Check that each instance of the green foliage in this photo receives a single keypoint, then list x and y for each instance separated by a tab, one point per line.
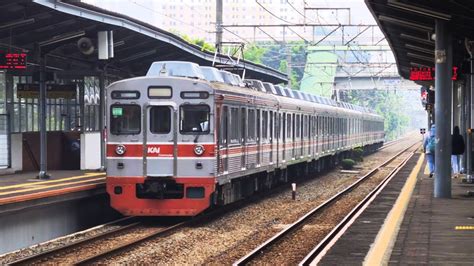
387	104
347	164
205	46
255	53
357	154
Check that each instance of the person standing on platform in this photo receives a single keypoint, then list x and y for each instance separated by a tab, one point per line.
457	151
429	145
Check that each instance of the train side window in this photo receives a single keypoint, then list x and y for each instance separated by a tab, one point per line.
224	125
125	119
234	126
194	119
288	126
160	119
251	125
264	125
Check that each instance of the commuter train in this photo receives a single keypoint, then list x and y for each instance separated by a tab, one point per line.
185	138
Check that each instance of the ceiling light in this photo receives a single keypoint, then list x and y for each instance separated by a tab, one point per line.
422	57
17	23
419	49
418	10
62	38
405	23
417	39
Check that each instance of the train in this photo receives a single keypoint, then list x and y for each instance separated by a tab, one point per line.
185	138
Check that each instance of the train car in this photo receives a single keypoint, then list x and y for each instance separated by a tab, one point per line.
184	138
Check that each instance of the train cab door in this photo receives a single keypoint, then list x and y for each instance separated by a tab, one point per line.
160	148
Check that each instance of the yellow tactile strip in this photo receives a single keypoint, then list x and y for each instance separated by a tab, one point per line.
381	248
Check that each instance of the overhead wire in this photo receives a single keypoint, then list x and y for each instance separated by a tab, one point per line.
271	13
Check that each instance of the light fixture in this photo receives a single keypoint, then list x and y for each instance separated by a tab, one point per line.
139	55
401	22
419	49
17	23
422	57
433	36
417	39
62	38
418	10
199	150
120	150
414	64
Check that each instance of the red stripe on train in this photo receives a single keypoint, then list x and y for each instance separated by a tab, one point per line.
161	150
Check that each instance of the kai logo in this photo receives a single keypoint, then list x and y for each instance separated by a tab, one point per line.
154	150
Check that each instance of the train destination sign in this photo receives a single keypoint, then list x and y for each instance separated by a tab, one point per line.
12	60
428	73
53	91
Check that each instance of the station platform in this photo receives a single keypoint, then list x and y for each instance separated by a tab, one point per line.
405	224
23	187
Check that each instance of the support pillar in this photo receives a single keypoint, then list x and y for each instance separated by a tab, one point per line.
443	88
42	120
102	119
469	109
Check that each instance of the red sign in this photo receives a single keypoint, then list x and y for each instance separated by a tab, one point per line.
12	61
428	73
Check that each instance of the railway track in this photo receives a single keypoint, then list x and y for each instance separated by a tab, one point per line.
124	226
128	226
298	226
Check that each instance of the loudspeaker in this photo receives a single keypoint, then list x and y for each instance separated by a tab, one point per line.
85	45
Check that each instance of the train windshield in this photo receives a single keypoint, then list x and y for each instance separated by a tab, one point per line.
194	119
125	119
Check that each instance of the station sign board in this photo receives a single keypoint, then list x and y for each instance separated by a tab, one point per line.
53	91
428	73
12	60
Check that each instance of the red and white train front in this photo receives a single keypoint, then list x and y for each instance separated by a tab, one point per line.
161	146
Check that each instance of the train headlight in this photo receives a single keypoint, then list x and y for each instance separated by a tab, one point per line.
199	150
120	150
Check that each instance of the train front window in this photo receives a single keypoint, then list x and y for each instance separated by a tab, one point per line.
125	119
194	119
160	119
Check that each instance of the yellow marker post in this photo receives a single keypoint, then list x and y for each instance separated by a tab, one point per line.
381	249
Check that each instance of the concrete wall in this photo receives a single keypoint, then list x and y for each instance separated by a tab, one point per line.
38	222
17	152
90	151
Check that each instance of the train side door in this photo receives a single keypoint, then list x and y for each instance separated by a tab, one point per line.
224	140
160	140
259	136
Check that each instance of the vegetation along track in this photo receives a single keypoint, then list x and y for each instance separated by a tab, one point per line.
293	244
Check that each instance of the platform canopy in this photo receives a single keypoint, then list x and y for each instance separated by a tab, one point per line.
409	25
57	25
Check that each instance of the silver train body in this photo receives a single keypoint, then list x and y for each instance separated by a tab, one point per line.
179	145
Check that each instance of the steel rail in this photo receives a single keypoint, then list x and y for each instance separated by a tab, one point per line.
292	227
318	252
51	252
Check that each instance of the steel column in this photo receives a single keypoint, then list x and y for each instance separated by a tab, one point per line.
443	88
42	112
102	119
469	109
